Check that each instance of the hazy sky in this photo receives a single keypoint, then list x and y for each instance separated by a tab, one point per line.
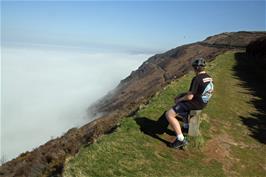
133	26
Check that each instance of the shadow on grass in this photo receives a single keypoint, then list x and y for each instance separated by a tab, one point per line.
253	74
153	128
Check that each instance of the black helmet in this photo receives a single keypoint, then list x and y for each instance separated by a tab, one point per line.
199	62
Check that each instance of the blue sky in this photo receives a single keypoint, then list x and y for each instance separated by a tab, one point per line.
135	25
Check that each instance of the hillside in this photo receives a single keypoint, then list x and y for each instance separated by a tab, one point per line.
160	69
232	141
132	93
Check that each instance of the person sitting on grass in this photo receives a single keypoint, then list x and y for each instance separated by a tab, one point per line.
196	98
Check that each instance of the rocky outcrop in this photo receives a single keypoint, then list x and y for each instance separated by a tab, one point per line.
136	89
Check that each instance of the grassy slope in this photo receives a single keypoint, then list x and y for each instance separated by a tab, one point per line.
225	148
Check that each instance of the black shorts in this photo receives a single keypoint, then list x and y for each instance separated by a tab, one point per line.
182	109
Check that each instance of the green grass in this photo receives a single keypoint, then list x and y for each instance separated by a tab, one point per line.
130	152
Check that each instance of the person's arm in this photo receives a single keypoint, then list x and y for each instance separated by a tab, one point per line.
180	95
190	94
187	97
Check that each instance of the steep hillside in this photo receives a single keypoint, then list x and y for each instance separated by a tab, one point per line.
161	69
232	133
134	91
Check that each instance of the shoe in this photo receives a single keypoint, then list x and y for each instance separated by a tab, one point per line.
177	144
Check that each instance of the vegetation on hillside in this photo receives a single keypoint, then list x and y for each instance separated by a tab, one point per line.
228	146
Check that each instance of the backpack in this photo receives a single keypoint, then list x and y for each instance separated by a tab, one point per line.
207	93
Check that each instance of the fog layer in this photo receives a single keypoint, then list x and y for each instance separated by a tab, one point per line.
46	92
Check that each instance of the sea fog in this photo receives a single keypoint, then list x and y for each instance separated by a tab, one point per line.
47	91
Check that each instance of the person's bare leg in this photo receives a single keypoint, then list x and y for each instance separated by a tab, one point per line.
171	117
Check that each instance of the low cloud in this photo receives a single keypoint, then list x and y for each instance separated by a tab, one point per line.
45	92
